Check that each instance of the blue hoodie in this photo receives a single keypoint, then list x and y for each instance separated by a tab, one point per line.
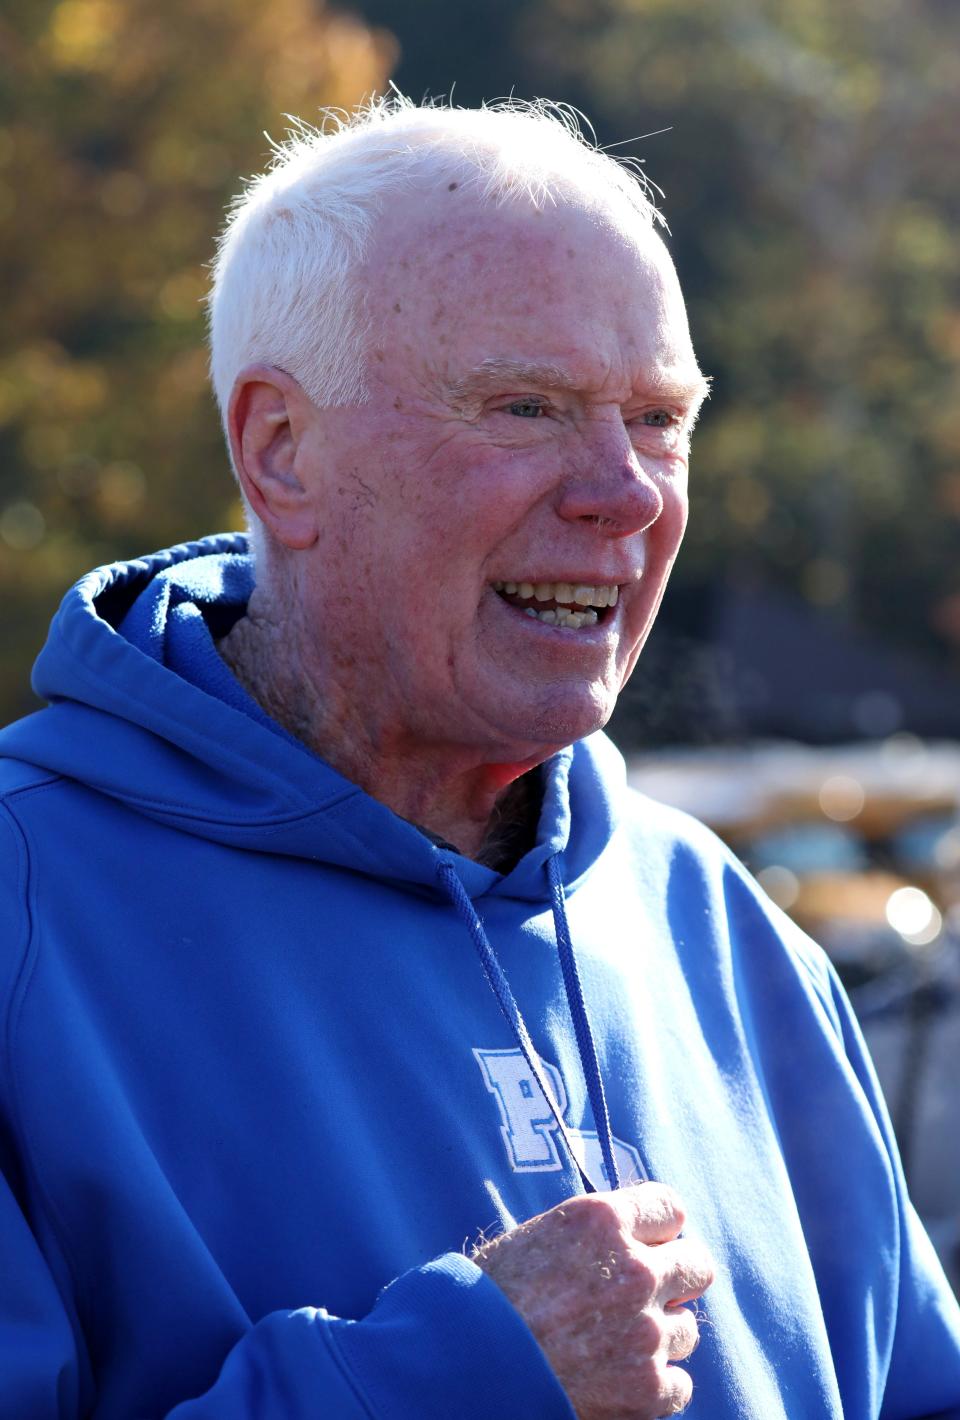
258	1097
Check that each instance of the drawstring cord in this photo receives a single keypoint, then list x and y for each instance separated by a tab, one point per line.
581	1024
500	986
505	998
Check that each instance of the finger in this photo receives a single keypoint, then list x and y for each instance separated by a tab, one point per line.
651	1212
676	1391
686	1271
681	1334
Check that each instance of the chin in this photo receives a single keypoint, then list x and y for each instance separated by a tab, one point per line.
560	720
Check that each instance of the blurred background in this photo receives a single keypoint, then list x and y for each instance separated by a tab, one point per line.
802	690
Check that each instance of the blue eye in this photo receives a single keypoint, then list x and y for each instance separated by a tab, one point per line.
658	418
525	408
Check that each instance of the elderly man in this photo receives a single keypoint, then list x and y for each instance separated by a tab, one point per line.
333	942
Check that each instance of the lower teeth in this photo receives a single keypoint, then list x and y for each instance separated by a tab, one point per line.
572	620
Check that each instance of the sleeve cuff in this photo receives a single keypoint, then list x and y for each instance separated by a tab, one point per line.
443	1341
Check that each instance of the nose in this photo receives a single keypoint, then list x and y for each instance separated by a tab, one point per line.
610	488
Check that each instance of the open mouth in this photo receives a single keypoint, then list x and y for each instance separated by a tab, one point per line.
569	605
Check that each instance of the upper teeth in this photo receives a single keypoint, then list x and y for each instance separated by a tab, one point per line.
564	593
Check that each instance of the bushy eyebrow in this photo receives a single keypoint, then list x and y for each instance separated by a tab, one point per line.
684	386
494	372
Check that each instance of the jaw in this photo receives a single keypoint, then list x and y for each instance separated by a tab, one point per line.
535	687
487	683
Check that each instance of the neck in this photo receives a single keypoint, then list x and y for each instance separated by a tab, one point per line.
487	810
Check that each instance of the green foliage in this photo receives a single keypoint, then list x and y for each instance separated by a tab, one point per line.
123	132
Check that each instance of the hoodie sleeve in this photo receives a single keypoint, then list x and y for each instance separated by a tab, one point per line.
442	1340
923	1375
39	1362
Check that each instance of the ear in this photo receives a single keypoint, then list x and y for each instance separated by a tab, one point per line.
266	420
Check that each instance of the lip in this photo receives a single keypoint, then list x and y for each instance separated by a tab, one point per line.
627	576
577	579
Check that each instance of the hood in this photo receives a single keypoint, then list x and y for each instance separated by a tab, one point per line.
122	720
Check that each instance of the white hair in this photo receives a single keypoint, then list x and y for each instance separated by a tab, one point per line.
286	279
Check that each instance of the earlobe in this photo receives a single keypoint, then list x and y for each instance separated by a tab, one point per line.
265	424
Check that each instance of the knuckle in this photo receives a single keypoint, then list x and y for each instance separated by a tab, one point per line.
641	1277
668	1203
649	1376
670	1196
594	1220
649	1334
592	1206
698	1255
651	1209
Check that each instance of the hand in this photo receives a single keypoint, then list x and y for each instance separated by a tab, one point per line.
600	1281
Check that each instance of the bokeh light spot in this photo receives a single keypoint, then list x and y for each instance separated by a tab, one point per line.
22	526
911	913
782	886
841	798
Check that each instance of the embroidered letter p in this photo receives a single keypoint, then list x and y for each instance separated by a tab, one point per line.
527	1122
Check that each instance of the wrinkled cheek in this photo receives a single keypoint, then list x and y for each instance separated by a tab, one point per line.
635	636
683	514
626	665
676	503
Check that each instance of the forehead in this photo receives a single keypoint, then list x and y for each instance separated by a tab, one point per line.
453	282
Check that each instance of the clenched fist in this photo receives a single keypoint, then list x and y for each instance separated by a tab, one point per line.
601	1281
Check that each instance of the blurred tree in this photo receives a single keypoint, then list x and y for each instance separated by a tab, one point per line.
811	176
123	129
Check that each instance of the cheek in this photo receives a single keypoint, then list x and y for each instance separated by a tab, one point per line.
673	520
467	508
680	517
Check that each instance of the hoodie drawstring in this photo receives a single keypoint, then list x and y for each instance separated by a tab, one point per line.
581	1022
500	986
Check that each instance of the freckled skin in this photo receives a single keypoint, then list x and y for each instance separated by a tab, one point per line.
601	1281
426	679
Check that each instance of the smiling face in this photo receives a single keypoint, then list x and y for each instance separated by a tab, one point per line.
523	451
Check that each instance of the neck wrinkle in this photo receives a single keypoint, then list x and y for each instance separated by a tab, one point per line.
283	674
